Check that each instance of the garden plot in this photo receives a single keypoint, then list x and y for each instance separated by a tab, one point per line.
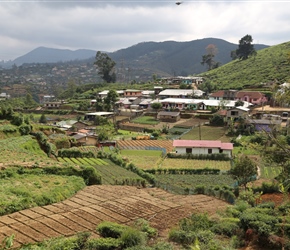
42	223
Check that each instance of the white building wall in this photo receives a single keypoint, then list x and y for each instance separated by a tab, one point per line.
203	151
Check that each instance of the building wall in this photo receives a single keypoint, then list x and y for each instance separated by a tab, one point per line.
203	151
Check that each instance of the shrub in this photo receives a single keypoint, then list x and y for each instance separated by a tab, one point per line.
144	226
110	229
25	129
199	189
132	237
226	227
103	244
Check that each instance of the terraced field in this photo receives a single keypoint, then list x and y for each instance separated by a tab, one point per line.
146	144
90	206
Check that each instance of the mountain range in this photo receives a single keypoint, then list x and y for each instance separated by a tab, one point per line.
167	58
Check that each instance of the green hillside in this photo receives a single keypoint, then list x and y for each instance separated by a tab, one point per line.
270	64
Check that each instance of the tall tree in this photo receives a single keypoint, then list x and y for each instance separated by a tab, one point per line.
208	58
110	100
105	66
243	169
246	48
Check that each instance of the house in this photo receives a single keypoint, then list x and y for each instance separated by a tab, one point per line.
66	125
179	93
132	93
52	105
83	139
267	123
165	116
254	97
202	147
4	96
104	93
92	116
223	95
237	112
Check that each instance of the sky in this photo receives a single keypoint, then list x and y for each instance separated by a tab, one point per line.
110	25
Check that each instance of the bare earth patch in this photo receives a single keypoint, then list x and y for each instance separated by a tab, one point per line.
93	204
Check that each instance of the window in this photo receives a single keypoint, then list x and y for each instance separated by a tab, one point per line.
189	150
221	151
209	151
234	113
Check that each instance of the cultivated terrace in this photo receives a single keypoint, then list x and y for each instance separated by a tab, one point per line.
166	164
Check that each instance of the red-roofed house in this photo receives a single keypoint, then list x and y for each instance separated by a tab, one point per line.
223	95
254	97
202	147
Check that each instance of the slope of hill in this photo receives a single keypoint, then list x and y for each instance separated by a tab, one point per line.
147	58
174	58
270	64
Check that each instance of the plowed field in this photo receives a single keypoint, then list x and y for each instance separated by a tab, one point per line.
90	206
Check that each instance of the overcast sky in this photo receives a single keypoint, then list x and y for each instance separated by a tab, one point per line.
112	25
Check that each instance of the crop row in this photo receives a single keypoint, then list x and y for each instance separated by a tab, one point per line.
110	172
139	144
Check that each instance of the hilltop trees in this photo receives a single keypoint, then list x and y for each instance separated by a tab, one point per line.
208	58
105	66
245	49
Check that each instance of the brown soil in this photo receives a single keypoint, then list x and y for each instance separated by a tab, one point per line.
90	206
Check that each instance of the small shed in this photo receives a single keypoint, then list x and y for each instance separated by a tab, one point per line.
168	116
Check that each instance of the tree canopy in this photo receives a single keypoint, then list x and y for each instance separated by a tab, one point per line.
105	66
208	58
246	48
244	168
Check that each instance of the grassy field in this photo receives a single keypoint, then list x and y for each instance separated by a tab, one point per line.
145	120
19	192
144	159
111	173
169	163
23	150
207	133
270	172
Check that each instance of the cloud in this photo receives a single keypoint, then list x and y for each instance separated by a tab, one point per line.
112	25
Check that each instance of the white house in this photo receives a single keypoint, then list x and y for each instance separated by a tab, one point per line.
202	147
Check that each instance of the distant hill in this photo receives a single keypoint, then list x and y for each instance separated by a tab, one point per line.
175	58
144	59
49	55
270	64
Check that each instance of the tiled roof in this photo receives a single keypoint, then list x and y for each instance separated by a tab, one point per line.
219	93
251	94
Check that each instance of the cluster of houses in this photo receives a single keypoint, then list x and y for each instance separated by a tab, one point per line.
231	104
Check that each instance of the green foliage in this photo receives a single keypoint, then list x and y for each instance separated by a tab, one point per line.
246	48
110	229
243	170
25	129
131	237
105	67
143	226
216	120
262	220
42	119
103	244
74	153
267	65
226	227
214	157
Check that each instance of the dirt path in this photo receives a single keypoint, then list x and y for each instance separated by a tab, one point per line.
90	206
